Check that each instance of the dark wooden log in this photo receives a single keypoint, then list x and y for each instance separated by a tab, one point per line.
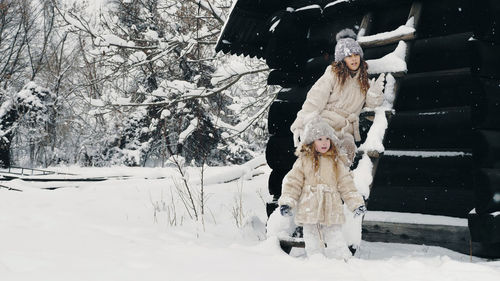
444	129
440	53
281	116
428	90
376	52
456	238
485	19
487	191
486	109
280	153
445	17
421	199
445	172
487	148
484	228
486	56
384	20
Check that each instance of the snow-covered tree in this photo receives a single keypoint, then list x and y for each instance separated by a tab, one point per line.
131	82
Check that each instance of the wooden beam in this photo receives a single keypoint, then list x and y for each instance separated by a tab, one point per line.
365	25
388	41
415	12
456	238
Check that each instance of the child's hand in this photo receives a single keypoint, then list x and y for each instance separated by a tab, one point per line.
285	210
361	210
377	86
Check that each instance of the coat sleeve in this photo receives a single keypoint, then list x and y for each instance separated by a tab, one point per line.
348	191
316	99
292	185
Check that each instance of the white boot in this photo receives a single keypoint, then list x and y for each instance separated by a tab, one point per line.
312	238
336	245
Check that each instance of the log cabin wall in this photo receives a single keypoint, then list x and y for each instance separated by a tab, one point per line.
484	221
442	146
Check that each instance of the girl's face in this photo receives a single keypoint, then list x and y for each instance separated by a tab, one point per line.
352	62
322	144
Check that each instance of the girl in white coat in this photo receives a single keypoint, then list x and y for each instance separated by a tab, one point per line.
315	188
339	95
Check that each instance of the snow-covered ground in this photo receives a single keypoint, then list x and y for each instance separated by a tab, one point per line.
124	229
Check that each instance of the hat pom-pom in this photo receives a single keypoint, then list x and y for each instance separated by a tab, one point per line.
346	33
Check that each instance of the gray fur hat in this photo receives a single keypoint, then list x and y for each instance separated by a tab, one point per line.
346	45
316	128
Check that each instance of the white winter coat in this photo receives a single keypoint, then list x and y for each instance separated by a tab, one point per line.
339	105
316	197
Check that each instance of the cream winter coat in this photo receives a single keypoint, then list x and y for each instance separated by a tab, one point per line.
339	106
316	197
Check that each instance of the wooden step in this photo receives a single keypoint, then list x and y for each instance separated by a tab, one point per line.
436	89
445	17
438	129
440	53
446	170
421	199
390	227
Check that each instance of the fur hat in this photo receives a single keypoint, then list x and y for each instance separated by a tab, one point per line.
346	45
316	128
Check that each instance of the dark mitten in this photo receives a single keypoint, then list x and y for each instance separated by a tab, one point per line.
285	210
361	210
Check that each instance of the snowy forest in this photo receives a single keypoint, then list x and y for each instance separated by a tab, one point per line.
125	82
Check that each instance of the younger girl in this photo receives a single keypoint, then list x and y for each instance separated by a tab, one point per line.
315	188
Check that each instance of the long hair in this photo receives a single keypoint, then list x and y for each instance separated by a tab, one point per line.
342	71
308	150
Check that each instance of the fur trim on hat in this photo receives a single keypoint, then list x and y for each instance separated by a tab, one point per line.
315	128
347	45
346	33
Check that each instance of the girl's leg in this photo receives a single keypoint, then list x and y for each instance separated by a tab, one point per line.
313	239
336	245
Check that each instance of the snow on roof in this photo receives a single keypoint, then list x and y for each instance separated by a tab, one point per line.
335	3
